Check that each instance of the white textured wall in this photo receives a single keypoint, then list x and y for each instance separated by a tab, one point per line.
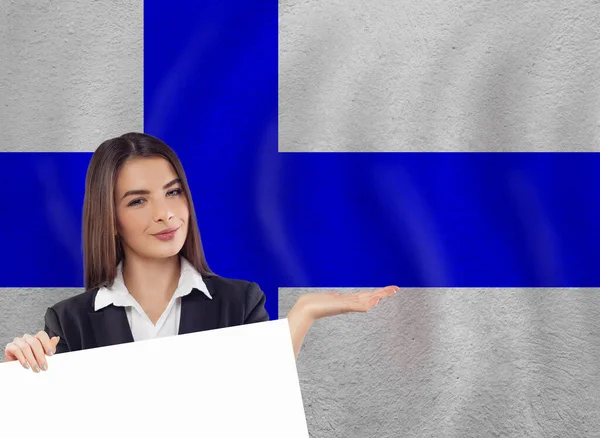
71	73
455	363
439	75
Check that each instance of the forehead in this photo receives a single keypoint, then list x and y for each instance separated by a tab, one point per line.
145	173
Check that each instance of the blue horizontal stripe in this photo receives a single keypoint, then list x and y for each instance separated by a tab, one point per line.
343	220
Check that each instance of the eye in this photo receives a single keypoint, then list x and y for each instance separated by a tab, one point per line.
135	202
175	192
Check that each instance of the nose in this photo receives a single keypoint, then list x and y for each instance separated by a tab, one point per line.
162	212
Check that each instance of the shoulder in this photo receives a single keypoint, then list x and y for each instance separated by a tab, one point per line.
69	315
69	319
80	303
231	289
243	298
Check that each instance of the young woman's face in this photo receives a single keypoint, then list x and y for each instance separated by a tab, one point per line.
149	199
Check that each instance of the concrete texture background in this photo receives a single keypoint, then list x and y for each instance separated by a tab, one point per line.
404	76
455	363
71	76
22	310
439	75
71	73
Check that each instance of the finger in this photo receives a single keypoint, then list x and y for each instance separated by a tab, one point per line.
367	295
365	301
47	345
373	302
28	353
385	292
359	302
389	291
12	352
38	351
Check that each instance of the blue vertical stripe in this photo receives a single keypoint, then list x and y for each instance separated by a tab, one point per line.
309	219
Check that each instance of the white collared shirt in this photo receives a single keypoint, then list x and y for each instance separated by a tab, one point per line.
141	326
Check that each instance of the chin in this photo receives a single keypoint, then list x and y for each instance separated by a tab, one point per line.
168	252
165	255
165	251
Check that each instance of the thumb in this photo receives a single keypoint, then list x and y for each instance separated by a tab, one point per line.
374	301
55	340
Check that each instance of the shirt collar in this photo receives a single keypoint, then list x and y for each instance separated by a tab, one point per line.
118	295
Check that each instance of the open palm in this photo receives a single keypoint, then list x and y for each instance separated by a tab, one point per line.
322	305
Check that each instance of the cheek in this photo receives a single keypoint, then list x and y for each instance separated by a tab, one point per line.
183	211
130	222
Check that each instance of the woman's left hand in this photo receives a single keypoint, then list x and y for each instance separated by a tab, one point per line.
313	306
322	305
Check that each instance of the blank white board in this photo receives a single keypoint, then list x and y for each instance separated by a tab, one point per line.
233	382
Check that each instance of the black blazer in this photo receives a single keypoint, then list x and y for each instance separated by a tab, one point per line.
234	302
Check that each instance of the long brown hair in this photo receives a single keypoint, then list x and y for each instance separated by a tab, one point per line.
102	249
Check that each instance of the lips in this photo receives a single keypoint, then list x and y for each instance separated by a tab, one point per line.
166	232
166	235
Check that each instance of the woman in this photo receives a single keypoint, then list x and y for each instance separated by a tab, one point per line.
146	275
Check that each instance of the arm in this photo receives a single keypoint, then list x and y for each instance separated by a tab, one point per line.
313	306
255	305
53	328
298	320
300	323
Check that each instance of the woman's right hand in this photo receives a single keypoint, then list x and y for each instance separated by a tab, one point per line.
31	350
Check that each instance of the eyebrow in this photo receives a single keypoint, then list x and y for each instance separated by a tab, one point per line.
146	192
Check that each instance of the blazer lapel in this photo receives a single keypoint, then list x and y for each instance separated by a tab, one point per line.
199	313
111	326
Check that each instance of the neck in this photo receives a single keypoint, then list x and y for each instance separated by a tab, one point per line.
151	281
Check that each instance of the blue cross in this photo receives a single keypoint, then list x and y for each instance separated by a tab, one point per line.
308	219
